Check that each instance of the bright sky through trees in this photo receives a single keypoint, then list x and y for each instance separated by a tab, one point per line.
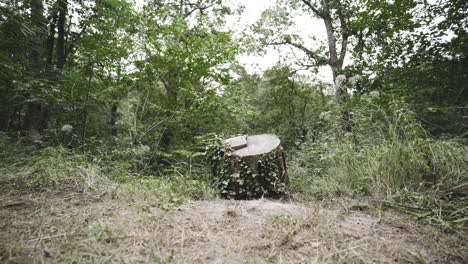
305	26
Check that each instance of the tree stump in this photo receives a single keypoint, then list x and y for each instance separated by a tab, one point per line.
250	167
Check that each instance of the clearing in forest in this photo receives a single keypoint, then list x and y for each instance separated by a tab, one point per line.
70	227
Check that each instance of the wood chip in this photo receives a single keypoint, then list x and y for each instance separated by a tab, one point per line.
257	145
237	142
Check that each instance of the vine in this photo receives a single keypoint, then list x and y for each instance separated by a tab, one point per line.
246	178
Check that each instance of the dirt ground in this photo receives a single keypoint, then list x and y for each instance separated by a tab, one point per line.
70	227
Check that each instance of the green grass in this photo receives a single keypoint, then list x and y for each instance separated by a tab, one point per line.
422	177
28	167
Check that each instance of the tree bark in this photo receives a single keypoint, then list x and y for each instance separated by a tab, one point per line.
335	59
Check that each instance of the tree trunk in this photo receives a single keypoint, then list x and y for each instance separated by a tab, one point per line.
171	94
84	123
250	167
63	8
335	62
32	120
333	56
113	120
51	39
33	117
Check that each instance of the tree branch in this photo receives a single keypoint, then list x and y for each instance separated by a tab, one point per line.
344	47
318	59
313	8
200	8
302	65
344	34
197	6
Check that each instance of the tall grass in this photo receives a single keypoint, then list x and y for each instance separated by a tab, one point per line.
388	156
122	170
392	165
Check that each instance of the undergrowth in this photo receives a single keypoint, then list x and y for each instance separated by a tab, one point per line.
387	156
123	171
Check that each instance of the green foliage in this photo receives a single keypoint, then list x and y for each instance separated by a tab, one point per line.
15	33
280	102
422	59
285	104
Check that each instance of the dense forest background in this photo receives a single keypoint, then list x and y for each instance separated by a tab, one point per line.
135	93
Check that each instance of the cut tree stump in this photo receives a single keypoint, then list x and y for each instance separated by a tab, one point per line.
250	167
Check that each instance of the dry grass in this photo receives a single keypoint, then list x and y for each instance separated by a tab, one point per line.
64	226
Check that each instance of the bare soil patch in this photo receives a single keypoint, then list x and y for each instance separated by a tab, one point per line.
72	227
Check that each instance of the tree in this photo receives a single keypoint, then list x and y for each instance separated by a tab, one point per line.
423	59
288	103
15	35
35	113
186	54
46	53
343	22
336	18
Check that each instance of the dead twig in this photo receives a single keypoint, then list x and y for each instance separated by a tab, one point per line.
48	237
12	204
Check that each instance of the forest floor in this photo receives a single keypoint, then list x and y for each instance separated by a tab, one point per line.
64	226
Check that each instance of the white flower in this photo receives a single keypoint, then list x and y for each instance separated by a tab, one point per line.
374	94
67	128
358	78
353	81
340	81
144	148
325	115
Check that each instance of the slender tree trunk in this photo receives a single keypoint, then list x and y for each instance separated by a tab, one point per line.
14	120
5	116
333	56
51	39
181	10
85	110
33	116
172	94
63	8
37	19
113	119
335	61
